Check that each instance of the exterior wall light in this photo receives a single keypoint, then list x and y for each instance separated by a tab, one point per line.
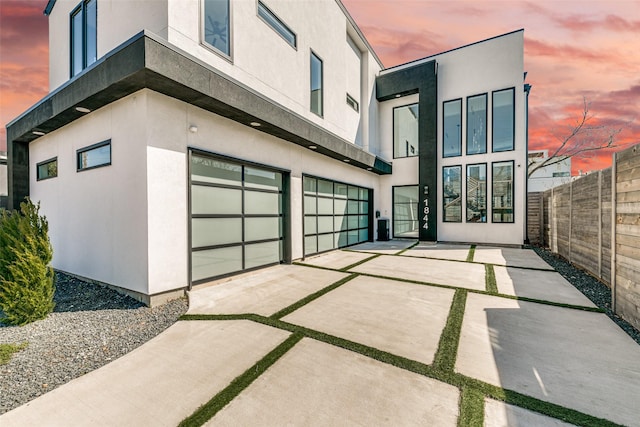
313	147
83	110
255	124
346	160
37	132
193	128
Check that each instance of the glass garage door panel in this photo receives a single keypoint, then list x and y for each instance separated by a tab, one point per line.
236	217
335	215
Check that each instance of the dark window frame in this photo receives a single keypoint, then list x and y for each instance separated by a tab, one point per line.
311	57
466	193
81	9
261	7
486	112
513	115
461	130
101	144
393	207
393	129
462	195
513	192
43	163
351	102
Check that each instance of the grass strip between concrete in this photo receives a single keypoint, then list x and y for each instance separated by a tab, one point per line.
220	400
406	249
355	264
490	276
445	357
471	254
471	408
306	300
469	404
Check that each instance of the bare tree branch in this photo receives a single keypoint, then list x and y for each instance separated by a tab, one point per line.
583	137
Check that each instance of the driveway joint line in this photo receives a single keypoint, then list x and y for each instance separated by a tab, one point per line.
355	264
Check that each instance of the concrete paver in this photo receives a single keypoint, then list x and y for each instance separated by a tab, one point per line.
500	414
451	273
336	259
401	318
577	359
265	293
439	251
511	257
389	247
316	384
158	384
542	285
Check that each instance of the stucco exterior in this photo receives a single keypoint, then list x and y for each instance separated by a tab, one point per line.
160	95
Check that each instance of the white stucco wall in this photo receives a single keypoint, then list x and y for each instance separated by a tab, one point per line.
98	221
118	20
484	67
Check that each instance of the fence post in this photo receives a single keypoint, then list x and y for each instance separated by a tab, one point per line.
614	202
600	224
541	222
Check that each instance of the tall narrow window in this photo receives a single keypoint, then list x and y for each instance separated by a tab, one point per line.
216	25
405	211
405	131
502	192
477	124
316	84
503	120
477	193
84	36
452	128
274	22
452	194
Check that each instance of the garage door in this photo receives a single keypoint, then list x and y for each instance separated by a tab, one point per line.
236	217
335	215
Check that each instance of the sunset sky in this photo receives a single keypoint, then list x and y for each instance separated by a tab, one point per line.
573	50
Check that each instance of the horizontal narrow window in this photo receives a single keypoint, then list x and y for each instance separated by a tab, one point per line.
351	102
278	26
94	156
47	169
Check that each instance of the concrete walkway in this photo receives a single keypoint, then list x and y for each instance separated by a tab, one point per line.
379	334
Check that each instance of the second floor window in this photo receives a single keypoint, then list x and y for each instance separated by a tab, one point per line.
84	36
316	84
216	25
405	131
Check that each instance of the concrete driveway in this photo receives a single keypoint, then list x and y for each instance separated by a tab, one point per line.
384	333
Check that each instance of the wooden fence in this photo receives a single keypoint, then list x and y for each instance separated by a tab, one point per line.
576	221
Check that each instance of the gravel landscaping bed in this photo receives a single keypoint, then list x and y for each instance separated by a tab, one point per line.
591	287
91	325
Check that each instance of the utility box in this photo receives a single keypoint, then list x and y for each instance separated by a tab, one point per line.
383	229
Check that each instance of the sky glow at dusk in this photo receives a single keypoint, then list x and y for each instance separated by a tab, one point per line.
573	50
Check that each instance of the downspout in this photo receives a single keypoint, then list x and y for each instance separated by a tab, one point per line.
527	89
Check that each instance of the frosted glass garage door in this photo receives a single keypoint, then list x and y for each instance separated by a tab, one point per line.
236	217
335	215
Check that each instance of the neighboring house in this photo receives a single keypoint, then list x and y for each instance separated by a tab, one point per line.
186	141
4	186
547	177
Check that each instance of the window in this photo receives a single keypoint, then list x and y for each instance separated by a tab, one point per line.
405	131
316	84
274	22
351	102
94	156
452	128
477	193
84	36
477	124
405	211
335	215
502	192
47	169
503	120
216	25
452	194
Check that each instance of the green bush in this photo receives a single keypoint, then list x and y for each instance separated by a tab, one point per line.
26	278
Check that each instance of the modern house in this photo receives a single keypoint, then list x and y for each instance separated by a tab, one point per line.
184	141
546	177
